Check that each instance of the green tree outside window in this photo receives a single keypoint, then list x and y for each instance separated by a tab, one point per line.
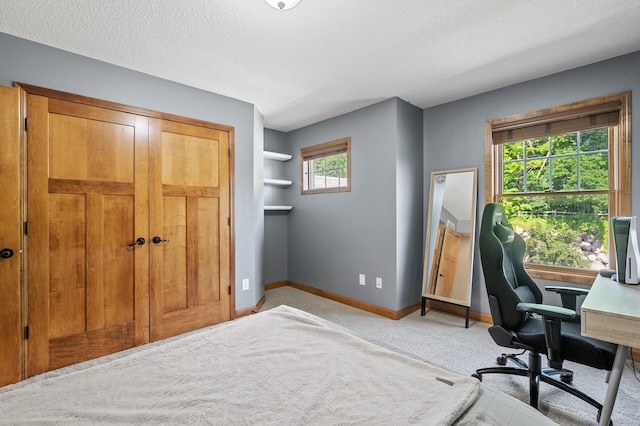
554	194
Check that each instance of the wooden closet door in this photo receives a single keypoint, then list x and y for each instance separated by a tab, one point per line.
448	262
437	257
189	199
87	178
10	236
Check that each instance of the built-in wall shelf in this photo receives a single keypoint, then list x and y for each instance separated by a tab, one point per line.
278	182
282	183
269	155
277	208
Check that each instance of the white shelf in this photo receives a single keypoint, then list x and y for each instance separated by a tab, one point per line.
277	208
278	182
269	155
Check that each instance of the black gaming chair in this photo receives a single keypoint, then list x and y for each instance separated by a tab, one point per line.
522	322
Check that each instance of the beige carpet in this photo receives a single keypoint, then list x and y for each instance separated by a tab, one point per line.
442	340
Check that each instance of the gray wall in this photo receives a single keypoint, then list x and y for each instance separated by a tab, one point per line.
255	217
454	132
331	238
410	226
28	62
376	229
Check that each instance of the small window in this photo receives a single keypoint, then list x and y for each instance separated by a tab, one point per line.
326	167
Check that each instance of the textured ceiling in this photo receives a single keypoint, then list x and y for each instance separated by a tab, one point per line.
327	57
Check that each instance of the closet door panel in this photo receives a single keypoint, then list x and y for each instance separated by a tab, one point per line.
11	331
118	264
67	273
105	154
174	268
208	213
189	198
88	201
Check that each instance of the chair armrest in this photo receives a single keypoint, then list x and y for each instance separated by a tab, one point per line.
552	320
572	291
548	311
568	295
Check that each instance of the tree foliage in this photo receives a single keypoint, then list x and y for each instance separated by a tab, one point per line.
332	165
554	221
550	243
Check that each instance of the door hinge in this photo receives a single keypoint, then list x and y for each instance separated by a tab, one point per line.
229	221
26	332
229	152
26	228
229	289
26	124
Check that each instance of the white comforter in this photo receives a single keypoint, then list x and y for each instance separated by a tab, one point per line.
277	367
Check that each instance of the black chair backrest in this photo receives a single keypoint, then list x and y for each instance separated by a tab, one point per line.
501	254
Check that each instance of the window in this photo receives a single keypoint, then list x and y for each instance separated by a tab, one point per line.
561	174
326	167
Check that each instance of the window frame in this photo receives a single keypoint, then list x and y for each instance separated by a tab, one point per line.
619	167
326	149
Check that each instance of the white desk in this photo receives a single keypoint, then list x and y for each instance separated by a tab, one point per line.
611	312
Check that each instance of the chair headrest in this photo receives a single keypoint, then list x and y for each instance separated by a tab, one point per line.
504	233
495	222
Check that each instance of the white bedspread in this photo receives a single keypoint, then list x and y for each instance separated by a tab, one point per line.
276	367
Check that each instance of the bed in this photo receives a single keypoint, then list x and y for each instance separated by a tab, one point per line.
281	366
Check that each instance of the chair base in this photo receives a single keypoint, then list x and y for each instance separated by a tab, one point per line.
566	375
535	373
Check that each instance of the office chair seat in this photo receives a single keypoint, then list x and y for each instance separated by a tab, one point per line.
575	347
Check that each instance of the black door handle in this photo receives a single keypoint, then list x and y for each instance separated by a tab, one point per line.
158	240
6	253
139	242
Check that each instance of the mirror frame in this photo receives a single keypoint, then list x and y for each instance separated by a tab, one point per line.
429	251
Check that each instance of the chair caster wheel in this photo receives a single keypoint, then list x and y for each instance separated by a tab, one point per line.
501	360
477	376
566	378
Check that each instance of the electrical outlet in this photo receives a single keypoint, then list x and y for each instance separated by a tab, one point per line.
245	284
362	279
378	282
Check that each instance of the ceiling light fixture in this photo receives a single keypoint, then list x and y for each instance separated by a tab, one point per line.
283	4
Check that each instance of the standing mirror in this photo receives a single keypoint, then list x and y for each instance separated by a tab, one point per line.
448	262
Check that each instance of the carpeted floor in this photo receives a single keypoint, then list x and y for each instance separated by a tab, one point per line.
442	340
